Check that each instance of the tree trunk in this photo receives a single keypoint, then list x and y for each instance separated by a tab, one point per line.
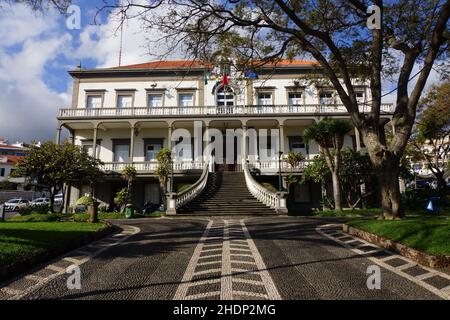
336	191
388	180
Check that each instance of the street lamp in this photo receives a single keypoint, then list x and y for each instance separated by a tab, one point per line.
280	181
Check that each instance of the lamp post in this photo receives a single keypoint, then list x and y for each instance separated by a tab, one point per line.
280	181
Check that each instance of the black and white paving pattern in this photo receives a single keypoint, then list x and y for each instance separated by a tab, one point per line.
262	258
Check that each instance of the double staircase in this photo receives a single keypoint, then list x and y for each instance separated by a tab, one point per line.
226	193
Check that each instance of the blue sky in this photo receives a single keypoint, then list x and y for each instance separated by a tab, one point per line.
37	49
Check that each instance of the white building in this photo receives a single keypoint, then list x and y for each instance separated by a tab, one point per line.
10	154
124	115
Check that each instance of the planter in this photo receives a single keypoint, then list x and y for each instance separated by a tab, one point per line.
93	212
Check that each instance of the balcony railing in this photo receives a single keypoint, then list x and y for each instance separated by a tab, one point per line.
150	166
266	166
270	166
212	111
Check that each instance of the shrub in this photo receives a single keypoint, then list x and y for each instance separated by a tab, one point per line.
8	185
34	209
85	201
123	197
103	207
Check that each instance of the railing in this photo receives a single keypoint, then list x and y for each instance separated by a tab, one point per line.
213	110
150	166
273	166
193	191
271	199
177	200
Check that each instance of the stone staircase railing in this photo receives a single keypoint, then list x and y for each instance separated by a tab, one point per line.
271	199
178	200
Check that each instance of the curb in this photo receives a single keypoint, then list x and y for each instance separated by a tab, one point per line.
428	260
17	288
24	265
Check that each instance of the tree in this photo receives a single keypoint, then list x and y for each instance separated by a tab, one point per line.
335	33
293	159
164	169
355	171
129	174
329	135
61	5
54	165
431	137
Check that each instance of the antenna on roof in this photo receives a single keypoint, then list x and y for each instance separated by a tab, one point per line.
79	65
122	19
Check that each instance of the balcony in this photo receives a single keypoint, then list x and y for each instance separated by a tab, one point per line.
149	167
212	111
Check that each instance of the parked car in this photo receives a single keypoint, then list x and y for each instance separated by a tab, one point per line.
40	201
58	199
14	204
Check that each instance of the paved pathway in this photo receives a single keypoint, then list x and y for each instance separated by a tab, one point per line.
230	258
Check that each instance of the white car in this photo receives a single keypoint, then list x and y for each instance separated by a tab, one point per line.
14	204
40	201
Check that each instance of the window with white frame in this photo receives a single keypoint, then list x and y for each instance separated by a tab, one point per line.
360	96
295	98
264	98
121	152
152	147
186	100
154	100
124	101
297	144
94	101
326	97
88	146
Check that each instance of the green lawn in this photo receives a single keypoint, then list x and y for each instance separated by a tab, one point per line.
429	234
21	241
79	217
344	213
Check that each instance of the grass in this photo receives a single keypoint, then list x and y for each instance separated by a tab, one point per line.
23	241
345	213
79	217
428	234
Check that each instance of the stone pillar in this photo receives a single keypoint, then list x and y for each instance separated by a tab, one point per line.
58	136
132	144
358	139
169	138
282	148
244	145
94	143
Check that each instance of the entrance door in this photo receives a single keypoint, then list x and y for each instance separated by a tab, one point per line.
225	166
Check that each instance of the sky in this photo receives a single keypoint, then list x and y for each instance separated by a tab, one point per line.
36	51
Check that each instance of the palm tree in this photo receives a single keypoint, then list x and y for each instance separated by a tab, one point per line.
329	135
164	158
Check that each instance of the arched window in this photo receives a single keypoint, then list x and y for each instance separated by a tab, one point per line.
225	97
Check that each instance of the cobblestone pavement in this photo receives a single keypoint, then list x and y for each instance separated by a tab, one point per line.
227	258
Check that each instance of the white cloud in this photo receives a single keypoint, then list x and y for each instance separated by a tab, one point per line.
102	42
28	105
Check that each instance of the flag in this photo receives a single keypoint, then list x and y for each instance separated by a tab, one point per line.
225	80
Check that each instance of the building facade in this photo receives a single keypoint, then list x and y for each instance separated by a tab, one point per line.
10	154
125	115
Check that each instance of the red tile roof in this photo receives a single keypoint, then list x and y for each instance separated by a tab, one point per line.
10	159
186	64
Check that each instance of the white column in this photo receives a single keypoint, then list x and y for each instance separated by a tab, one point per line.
58	136
358	139
94	143
132	144
281	127
244	145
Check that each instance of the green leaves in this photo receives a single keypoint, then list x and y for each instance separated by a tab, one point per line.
52	165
